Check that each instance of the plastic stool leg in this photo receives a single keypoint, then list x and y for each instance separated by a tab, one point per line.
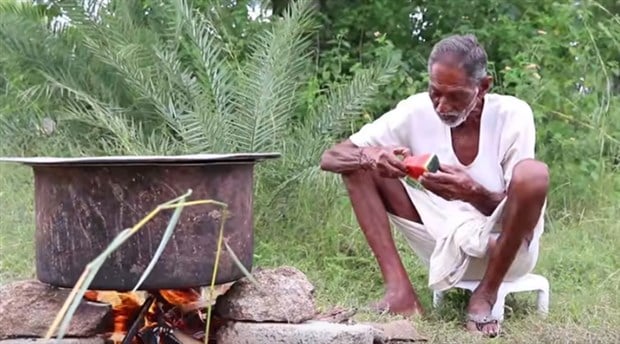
542	301
498	307
437	298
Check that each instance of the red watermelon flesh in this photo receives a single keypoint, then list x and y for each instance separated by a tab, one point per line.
418	164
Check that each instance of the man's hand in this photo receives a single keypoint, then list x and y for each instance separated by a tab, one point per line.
384	160
453	183
450	182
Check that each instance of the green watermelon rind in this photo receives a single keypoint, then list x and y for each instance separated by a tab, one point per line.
413	183
432	165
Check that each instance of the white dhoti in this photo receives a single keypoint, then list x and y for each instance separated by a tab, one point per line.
453	241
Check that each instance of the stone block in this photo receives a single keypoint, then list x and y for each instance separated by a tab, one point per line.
282	295
53	341
28	308
316	332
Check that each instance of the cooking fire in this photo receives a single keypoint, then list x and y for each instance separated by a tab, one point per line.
161	317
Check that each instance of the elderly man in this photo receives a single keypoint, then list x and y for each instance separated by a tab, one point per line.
481	215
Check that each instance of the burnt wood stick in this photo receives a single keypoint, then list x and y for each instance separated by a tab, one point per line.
137	323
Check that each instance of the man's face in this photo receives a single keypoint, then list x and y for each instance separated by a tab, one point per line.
453	95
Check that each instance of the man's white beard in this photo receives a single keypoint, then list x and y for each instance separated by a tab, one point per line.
456	118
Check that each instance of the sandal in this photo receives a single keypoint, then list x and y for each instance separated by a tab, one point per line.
480	321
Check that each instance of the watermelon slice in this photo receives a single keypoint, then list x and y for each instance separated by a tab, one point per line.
418	164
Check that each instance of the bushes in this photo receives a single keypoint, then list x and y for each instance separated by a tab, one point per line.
559	57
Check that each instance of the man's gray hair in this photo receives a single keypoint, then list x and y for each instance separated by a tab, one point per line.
466	50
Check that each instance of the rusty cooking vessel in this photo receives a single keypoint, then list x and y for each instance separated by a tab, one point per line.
81	204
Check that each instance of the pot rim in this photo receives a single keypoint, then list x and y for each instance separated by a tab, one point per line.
143	159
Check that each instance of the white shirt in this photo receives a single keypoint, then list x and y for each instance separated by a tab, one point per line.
507	135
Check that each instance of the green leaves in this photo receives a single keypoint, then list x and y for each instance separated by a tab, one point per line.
344	102
271	80
209	81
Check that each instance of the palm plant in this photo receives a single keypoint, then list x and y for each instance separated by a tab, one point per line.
168	83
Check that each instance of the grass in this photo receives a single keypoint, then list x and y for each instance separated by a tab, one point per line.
579	256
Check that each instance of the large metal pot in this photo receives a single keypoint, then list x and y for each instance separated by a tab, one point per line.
81	204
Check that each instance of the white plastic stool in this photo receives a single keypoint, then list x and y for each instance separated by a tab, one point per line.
530	282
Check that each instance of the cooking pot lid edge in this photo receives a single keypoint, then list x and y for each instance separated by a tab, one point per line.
128	159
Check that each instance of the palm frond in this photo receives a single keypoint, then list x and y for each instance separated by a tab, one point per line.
83	12
342	104
182	113
28	11
333	115
213	102
21	48
117	133
267	94
133	63
219	18
16	131
128	137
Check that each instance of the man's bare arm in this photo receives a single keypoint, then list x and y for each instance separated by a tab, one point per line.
484	200
344	157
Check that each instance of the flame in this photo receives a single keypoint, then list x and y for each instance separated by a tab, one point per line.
186	299
124	308
126	305
180	297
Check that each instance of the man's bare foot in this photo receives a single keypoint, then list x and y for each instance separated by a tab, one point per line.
479	319
399	301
